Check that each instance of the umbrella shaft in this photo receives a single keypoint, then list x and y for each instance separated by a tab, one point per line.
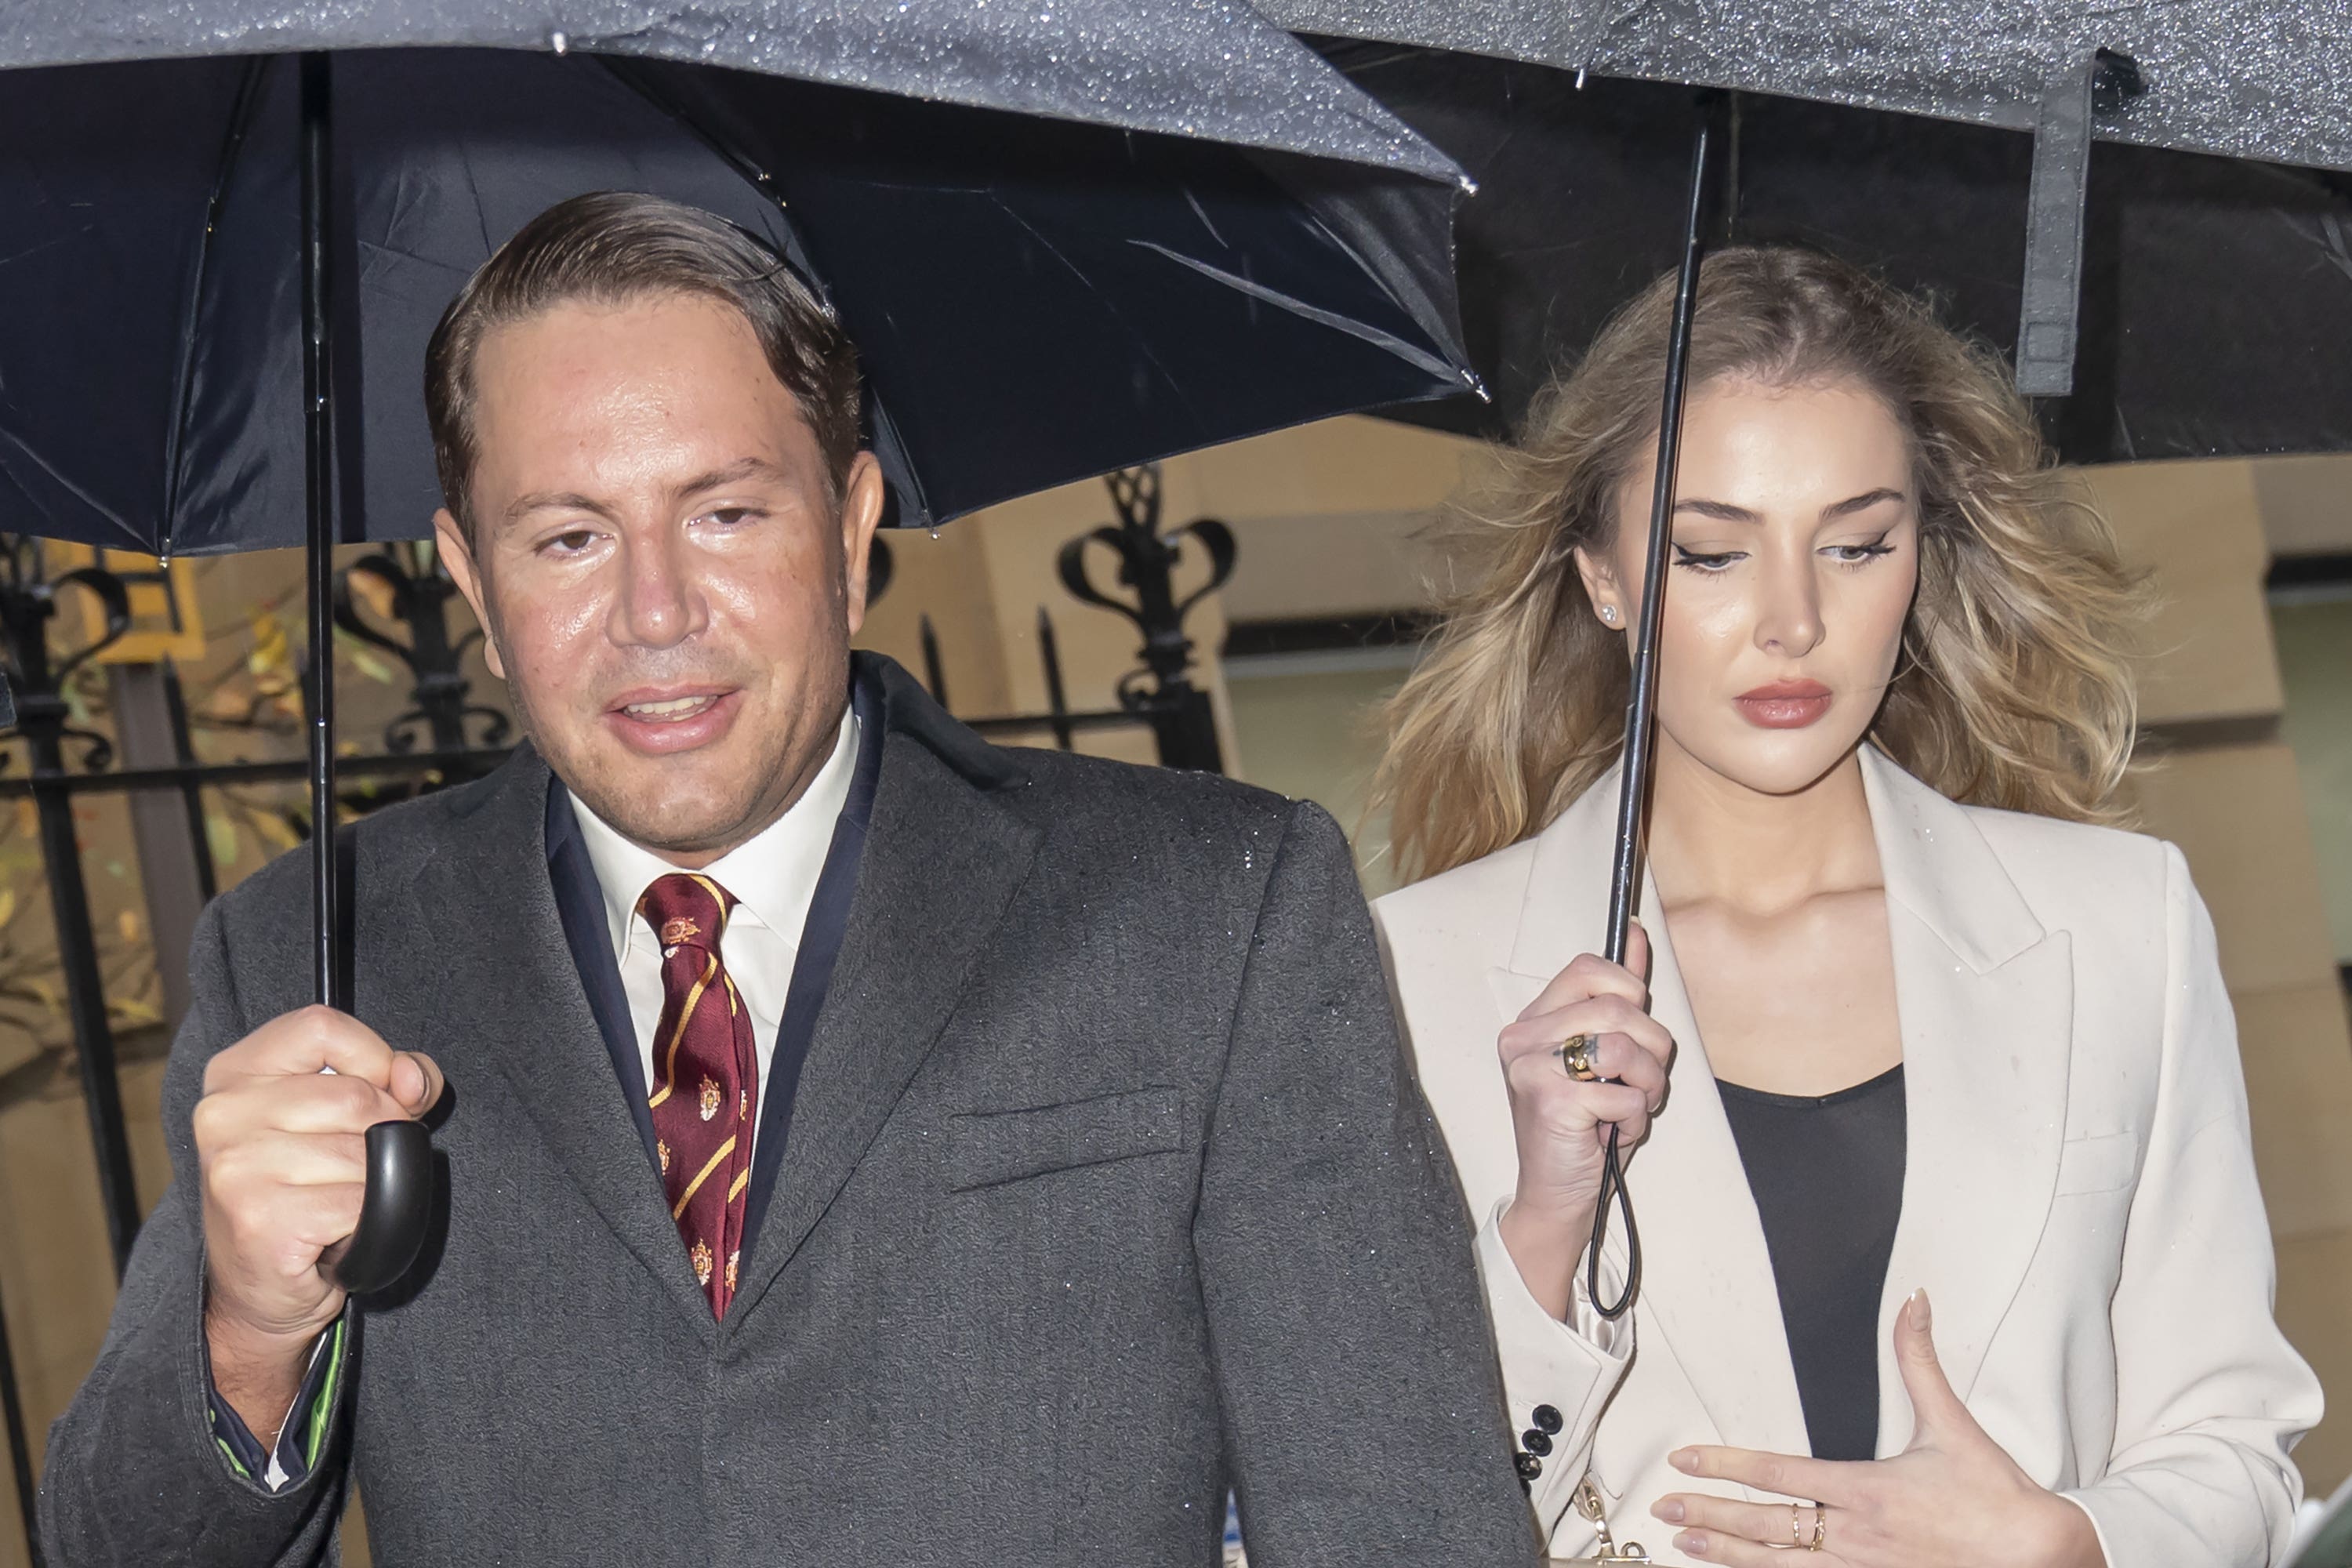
1640	714
318	475
1626	878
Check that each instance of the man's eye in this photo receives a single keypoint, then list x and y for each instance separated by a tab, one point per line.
571	542
729	516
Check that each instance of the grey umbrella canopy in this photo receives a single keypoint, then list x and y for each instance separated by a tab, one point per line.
2243	79
1212	69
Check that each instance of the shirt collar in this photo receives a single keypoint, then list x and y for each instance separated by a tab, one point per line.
772	875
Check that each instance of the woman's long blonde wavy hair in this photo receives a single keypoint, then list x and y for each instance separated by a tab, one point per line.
2013	689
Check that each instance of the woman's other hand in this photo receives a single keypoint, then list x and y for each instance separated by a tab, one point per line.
1953	1499
1562	1124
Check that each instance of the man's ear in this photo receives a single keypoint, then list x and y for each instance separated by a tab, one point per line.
457	555
862	500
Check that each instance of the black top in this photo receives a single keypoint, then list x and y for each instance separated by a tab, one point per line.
1827	1172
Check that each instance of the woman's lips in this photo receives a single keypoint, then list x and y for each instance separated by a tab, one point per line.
1784	704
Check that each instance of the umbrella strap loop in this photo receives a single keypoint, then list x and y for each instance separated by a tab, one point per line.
2083	87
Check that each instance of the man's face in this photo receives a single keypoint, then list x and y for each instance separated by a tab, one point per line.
668	589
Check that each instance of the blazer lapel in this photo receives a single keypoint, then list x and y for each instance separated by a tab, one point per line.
942	861
1986	998
514	995
1708	1288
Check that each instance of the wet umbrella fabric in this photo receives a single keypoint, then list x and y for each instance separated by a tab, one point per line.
2216	292
2238	79
1035	300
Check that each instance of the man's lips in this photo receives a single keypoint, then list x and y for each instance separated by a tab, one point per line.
1784	704
673	719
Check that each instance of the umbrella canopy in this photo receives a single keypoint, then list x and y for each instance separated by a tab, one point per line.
2242	79
1036	299
2216	293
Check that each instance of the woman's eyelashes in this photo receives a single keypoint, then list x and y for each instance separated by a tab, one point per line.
1860	554
1855	556
1704	561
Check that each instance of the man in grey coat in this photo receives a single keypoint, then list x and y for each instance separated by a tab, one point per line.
864	1145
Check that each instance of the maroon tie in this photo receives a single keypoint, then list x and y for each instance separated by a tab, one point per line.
705	1080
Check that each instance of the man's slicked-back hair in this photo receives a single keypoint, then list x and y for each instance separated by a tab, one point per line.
612	247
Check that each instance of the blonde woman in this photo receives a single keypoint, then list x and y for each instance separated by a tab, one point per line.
1953	1255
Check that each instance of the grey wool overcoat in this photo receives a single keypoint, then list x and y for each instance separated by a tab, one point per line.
1107	1187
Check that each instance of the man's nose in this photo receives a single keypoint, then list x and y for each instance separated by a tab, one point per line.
660	603
1788	621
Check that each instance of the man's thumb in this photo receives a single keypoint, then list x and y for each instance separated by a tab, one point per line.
416	1081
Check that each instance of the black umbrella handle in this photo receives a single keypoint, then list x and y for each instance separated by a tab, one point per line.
399	1202
1641	713
393	1216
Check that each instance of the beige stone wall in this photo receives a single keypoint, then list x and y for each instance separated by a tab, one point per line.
2221	785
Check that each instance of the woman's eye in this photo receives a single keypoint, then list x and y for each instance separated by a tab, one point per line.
1855	554
1700	561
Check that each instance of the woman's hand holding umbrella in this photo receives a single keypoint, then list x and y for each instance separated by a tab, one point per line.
1953	1499
1563	1122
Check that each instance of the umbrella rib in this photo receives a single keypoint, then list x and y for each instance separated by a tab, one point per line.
1420	359
240	120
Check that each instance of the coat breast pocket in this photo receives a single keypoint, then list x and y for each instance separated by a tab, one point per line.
2099	1164
989	1148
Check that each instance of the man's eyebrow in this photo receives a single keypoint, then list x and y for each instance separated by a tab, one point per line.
1862	502
556	500
734	473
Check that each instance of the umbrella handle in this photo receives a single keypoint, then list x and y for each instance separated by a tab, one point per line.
395	1212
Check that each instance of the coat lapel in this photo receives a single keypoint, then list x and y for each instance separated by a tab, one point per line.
515	996
1986	998
1708	1292
943	859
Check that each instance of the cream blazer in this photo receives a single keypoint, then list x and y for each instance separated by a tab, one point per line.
2078	1197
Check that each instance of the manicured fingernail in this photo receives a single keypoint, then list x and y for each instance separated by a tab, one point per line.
1692	1541
1921	1313
1668	1508
1684	1459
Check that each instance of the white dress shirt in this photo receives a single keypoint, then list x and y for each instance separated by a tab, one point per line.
773	877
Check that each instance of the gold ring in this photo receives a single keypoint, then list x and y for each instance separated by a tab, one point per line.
1576	1056
1821	1528
1796	1530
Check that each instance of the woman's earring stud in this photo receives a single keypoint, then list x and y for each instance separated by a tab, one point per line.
1609	613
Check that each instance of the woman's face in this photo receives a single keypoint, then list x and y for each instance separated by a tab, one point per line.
1795	555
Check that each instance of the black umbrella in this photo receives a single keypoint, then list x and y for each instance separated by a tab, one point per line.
2221	289
1132	230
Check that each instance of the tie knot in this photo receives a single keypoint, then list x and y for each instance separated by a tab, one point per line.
685	910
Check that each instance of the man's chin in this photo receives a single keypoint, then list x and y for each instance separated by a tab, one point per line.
668	809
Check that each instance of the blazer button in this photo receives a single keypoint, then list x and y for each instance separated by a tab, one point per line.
1535	1441
1548	1418
1529	1465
